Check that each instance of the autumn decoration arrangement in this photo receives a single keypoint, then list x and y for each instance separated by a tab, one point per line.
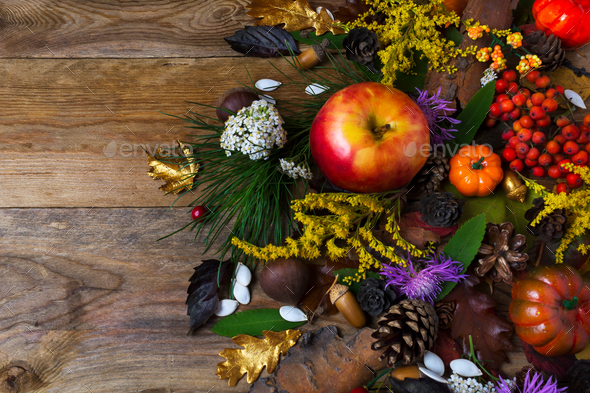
372	192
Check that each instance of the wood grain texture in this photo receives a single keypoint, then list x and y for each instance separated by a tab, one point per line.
122	28
72	131
90	299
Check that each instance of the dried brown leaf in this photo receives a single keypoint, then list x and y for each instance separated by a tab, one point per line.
177	174
296	15
475	316
565	77
257	354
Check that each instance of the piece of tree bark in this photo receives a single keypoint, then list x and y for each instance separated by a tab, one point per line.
324	362
464	83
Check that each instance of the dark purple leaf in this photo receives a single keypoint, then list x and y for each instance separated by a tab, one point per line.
556	365
262	41
202	297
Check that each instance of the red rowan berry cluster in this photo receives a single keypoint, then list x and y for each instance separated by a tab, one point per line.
540	137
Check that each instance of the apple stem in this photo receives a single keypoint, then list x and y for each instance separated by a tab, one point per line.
477	165
570	304
382	130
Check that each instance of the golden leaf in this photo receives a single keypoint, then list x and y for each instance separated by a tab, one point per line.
296	15
565	77
176	172
256	354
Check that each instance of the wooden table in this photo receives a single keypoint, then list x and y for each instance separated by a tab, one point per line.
89	301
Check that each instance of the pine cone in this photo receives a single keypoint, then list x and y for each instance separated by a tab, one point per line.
406	331
551	227
501	252
435	170
548	49
521	376
440	209
373	297
445	312
579	375
361	45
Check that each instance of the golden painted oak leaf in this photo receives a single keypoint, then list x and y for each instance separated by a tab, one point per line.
256	354
178	173
296	15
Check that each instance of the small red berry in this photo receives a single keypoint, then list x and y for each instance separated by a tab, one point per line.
545	159
198	212
538	99
502	97
529	103
509	154
495	110
505	117
524	92
490	122
562	166
580	158
557	158
516	126
562	187
570	133
515	114
562	121
586	120
524	135
549	105
570	148
554	171
501	85
560	139
533	76
550	93
587	147
517	165
526	121
574	180
512	142
519	100
533	153
559	89
530	163
507	105
542	82
509	76
538	171
522	148
359	390
552	147
536	112
543	122
507	134
512	88
539	138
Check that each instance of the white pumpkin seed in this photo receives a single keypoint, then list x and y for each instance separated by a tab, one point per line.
267	85
575	98
465	368
432	375
292	314
319	9
267	98
243	274
241	293
316	89
226	307
434	363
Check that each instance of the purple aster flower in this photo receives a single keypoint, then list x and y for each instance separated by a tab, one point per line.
437	113
533	383
424	283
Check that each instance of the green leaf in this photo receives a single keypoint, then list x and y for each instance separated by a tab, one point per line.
312	39
463	247
348	272
472	116
408	83
452	34
498	209
253	323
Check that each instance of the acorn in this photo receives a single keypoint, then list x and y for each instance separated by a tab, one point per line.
234	100
285	280
309	58
348	306
514	186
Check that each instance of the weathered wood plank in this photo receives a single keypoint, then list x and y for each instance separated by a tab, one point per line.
72	131
90	299
122	29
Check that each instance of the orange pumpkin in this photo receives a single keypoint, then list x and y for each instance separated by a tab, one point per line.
551	310
476	170
567	19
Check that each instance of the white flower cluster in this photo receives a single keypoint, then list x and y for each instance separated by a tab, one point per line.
294	171
458	384
489	75
254	130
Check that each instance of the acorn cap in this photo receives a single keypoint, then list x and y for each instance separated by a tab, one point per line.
337	292
319	51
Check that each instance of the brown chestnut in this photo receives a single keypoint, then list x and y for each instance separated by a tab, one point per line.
284	280
234	100
348	306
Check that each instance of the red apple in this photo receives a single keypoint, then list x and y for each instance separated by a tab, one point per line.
369	137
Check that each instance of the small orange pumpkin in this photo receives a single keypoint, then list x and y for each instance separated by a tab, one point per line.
476	170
